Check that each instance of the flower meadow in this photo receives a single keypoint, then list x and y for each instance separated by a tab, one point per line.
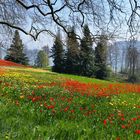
41	105
9	63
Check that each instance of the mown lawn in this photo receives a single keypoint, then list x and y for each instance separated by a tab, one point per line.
41	105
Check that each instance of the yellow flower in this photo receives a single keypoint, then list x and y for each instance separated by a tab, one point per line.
111	103
6	137
22	97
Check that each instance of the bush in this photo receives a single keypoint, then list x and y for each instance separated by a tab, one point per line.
133	79
102	72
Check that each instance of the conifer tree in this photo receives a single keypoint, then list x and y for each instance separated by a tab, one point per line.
101	71
86	53
15	52
72	55
58	54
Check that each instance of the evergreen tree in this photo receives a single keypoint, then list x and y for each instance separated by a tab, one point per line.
58	54
101	71
86	54
15	52
72	55
42	59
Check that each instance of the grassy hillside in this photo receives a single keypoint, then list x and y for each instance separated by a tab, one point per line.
41	105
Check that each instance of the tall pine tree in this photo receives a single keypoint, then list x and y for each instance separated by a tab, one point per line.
72	55
58	54
15	52
101	71
86	54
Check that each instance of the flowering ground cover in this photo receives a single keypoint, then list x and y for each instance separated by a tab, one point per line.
40	105
9	63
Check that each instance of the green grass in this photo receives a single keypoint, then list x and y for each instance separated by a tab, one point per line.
83	79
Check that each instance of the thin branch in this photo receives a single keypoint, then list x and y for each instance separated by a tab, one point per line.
83	17
16	27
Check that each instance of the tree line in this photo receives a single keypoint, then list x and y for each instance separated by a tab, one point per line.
17	54
124	59
103	61
79	57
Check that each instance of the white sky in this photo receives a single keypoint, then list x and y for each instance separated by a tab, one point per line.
43	40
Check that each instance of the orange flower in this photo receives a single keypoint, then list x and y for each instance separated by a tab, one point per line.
123	126
105	122
122	119
72	111
66	109
137	132
51	99
33	99
118	138
50	106
17	102
134	119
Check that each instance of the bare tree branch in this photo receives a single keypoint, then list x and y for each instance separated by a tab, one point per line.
43	15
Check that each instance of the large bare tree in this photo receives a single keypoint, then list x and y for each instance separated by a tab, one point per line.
36	16
113	56
132	58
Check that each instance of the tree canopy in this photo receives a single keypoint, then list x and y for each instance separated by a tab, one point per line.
15	52
86	53
101	71
42	59
58	54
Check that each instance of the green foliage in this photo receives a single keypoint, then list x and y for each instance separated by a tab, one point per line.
101	71
15	52
133	79
83	79
80	59
86	54
58	55
42	59
72	54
